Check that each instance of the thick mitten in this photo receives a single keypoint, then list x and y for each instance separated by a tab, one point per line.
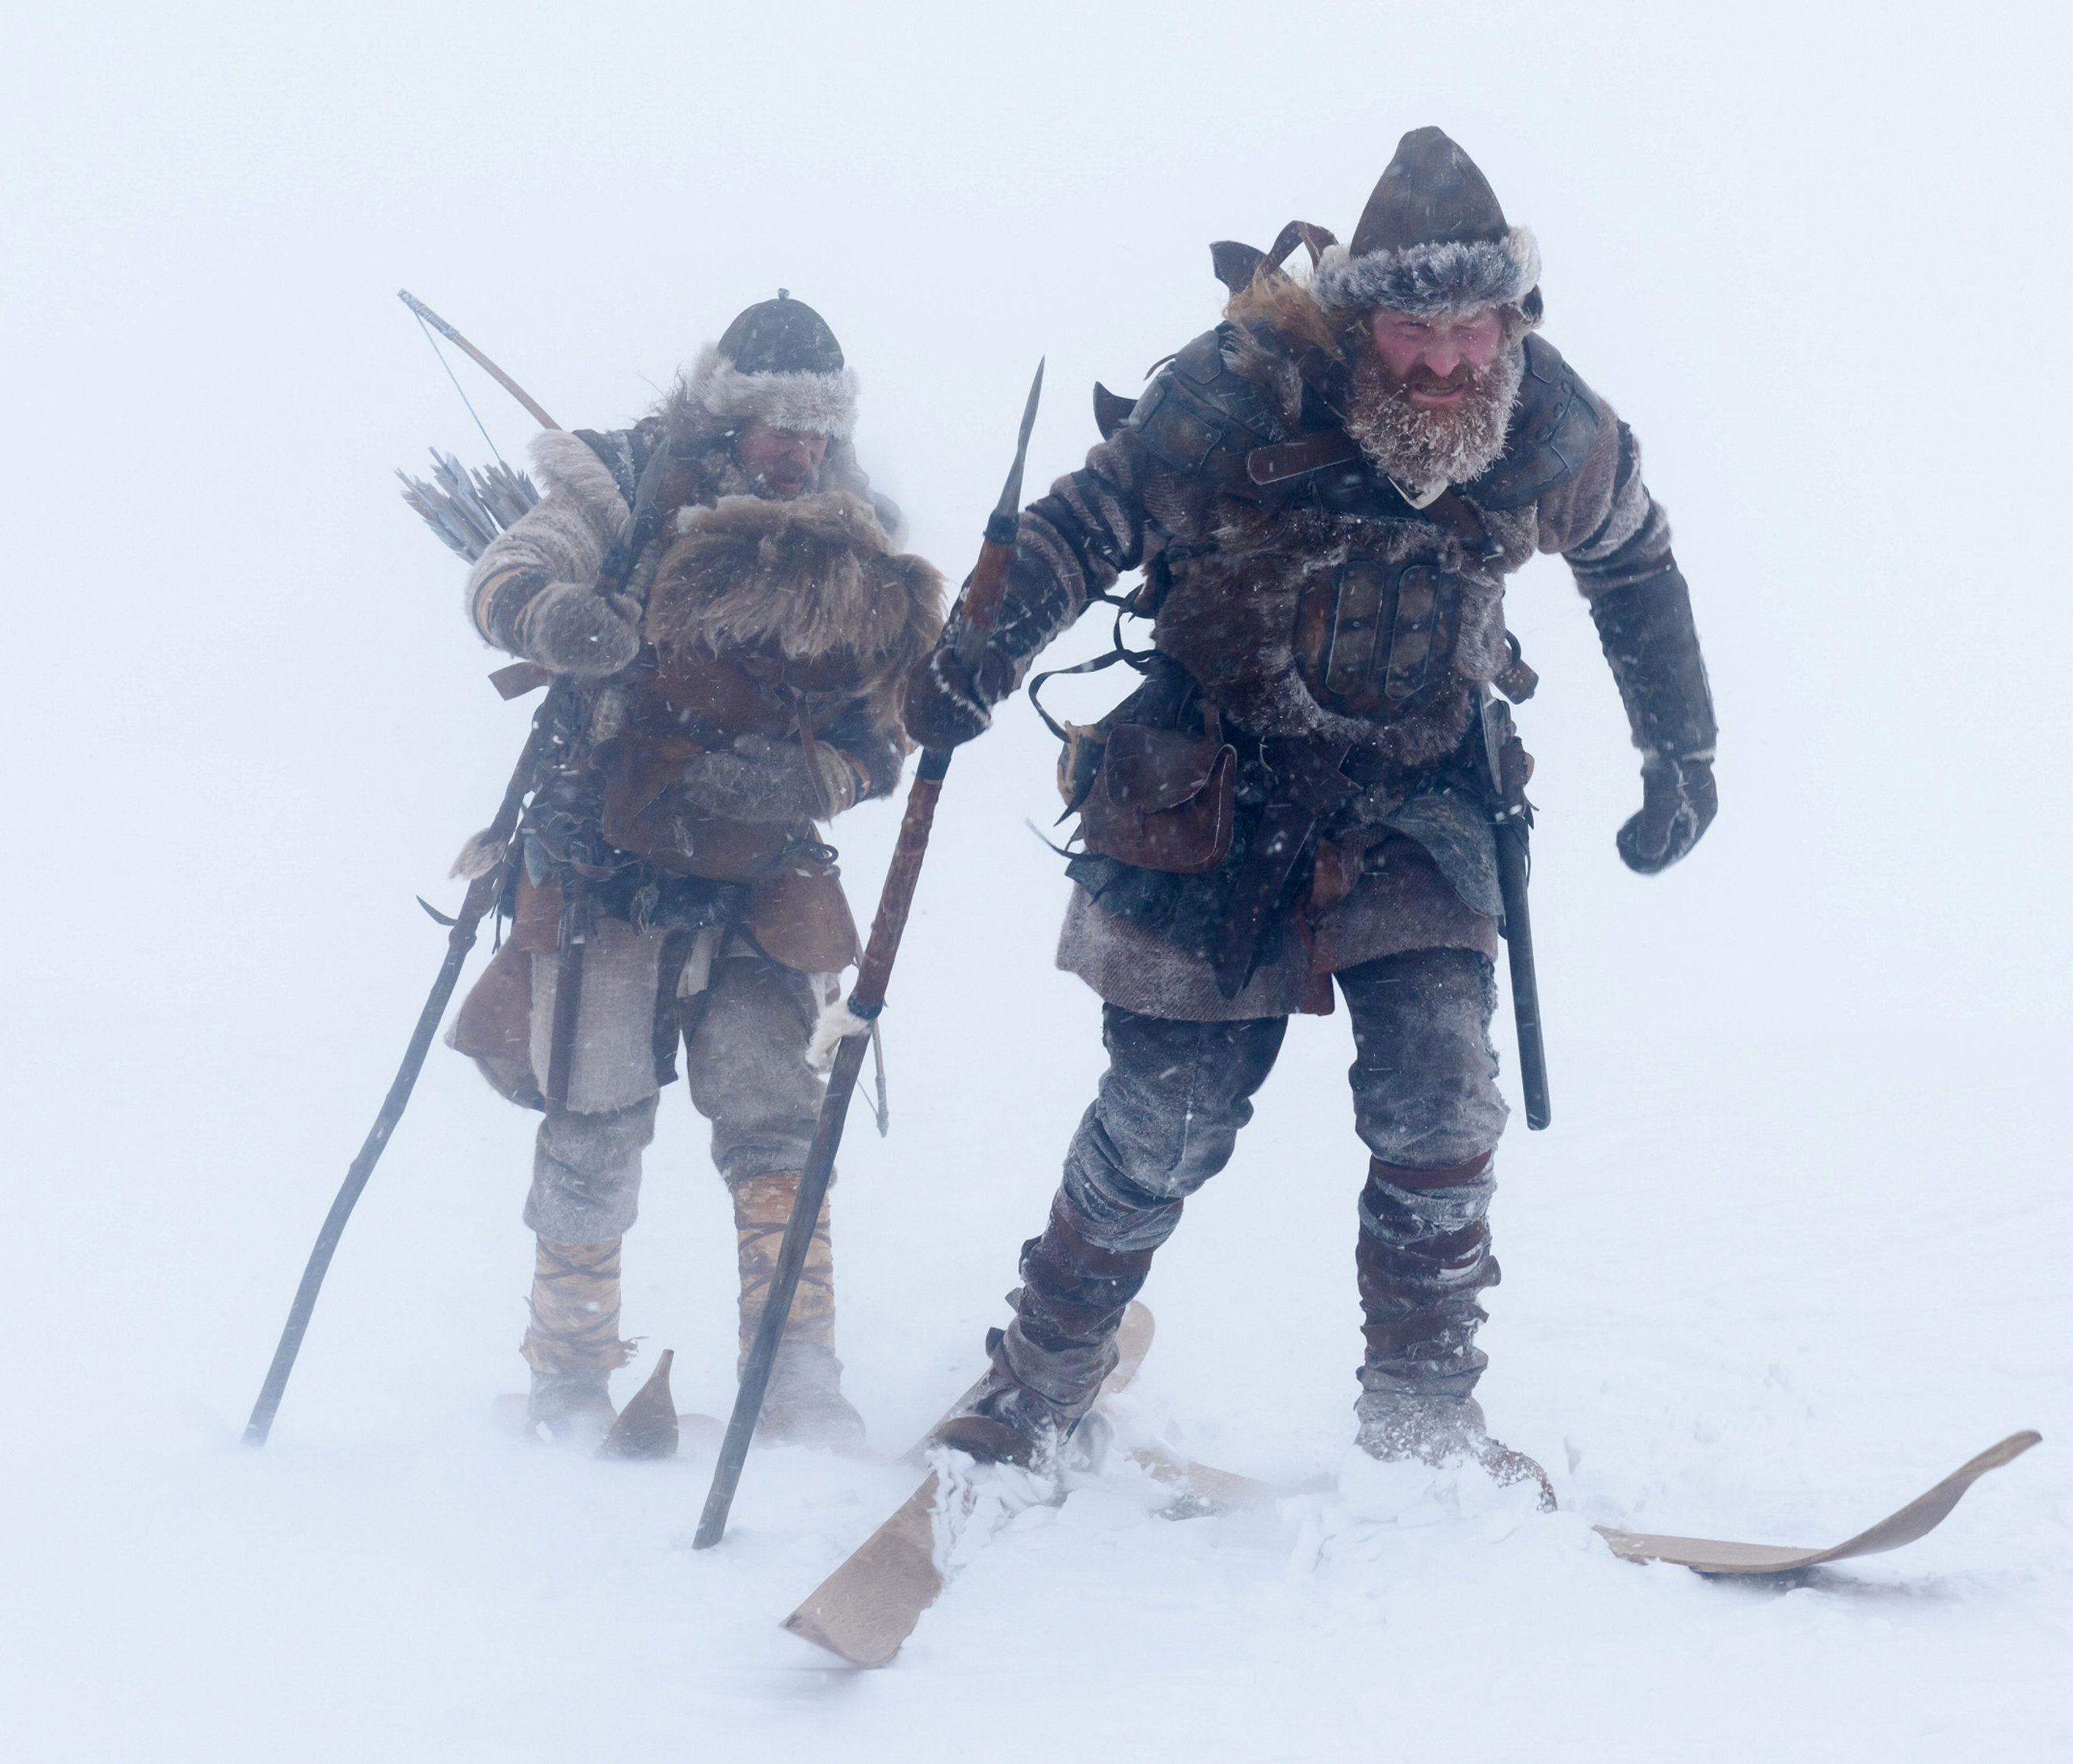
574	630
760	780
948	704
1678	804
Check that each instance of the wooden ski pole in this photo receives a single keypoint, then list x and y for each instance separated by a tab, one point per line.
977	605
483	893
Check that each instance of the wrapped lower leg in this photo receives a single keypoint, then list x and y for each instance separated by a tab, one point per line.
762	1209
572	1342
804	1402
574	1326
1073	1294
1048	1365
1424	1259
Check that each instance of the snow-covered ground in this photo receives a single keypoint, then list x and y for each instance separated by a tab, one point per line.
1795	1247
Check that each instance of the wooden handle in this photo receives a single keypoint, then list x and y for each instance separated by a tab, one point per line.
980	605
875	971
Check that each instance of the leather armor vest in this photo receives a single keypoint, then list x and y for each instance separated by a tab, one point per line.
1372	636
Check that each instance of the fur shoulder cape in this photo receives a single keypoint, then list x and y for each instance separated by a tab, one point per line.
811	578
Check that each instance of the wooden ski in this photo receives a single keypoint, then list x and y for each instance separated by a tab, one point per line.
864	1610
1921	1516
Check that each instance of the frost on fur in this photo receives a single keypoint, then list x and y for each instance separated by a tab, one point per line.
1442	276
823	404
837	1022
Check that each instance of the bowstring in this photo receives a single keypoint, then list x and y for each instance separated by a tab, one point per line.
457	386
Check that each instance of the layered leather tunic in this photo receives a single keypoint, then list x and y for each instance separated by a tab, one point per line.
1341	640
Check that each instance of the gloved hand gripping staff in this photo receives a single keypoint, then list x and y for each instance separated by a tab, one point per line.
977	607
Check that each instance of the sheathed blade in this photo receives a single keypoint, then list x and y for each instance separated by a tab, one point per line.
1010	498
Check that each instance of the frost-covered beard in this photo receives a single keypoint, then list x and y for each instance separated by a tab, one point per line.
1421	447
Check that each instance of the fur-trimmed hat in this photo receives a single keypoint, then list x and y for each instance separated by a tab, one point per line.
780	361
1432	241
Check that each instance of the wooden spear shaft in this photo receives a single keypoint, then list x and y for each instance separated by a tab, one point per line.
977	607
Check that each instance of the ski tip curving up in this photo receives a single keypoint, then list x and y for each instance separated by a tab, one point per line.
1921	1516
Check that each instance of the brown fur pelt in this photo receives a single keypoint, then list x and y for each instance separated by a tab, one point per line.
1283	305
810	578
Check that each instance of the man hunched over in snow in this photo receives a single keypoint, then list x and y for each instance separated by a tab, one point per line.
1325	639
743	687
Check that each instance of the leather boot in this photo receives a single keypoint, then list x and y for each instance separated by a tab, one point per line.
1424	1258
572	1343
1048	1364
803	1404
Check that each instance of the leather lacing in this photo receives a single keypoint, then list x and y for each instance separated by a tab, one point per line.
762	1207
574	1309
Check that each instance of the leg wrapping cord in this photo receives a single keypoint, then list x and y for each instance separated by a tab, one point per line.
1423	1256
1061	1344
574	1326
762	1205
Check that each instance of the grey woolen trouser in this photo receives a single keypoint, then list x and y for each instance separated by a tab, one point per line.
1167	1116
1166	1120
744	1061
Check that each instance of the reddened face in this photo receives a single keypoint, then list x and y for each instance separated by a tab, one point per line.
1437	360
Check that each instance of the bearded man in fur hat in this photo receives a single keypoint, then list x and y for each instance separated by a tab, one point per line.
741	686
1326	493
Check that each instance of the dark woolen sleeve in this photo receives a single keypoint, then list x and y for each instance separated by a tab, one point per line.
1069	546
1616	539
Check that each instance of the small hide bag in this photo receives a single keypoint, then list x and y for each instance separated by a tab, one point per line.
1162	800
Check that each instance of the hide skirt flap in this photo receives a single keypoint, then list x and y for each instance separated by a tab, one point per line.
1162	800
495	1019
801	918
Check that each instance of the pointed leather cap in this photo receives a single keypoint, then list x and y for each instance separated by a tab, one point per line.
1431	239
1431	193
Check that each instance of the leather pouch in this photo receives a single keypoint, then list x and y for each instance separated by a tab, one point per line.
1162	800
